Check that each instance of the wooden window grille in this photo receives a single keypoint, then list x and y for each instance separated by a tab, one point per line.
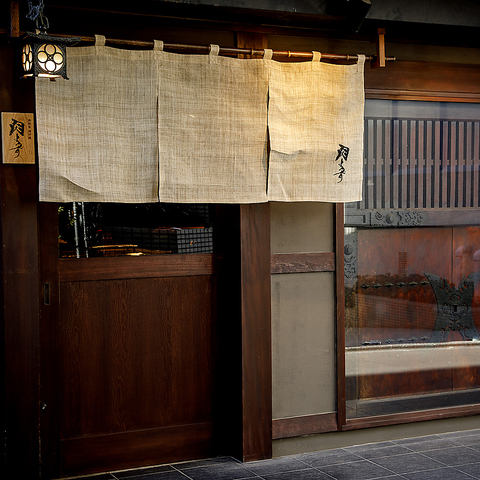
421	164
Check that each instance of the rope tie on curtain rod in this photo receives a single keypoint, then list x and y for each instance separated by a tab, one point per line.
185	48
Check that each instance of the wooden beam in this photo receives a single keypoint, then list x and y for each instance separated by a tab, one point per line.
14	19
426	81
302	262
151	266
304	425
412	417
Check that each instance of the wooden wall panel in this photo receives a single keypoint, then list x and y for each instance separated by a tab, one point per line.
137	354
152	447
428	81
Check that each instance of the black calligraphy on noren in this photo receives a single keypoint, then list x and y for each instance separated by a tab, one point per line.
342	157
17	130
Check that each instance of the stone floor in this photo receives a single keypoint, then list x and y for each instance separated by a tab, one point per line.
452	456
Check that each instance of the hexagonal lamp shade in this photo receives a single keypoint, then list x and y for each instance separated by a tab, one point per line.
45	56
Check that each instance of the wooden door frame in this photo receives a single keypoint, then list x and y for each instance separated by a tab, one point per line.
243	316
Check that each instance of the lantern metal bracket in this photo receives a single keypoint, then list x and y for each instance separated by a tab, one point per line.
36	14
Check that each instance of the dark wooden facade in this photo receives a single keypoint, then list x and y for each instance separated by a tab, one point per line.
59	390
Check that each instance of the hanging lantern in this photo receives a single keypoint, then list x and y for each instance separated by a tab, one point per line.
45	56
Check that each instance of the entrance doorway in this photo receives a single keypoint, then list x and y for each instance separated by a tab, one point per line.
128	338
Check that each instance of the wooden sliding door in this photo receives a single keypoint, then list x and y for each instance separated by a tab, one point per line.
129	356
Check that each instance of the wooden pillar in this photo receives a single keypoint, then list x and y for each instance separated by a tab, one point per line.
20	289
244	407
340	313
256	316
256	332
245	398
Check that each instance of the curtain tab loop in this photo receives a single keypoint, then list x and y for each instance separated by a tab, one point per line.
268	54
158	45
100	40
213	54
317	56
214	49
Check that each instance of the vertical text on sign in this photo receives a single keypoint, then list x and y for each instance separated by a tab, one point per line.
18	138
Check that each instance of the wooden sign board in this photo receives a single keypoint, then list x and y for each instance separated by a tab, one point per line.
18	138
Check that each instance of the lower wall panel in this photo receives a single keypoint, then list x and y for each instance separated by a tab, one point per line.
303	344
146	447
304	425
326	441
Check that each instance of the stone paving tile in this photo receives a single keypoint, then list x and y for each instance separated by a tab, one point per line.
309	474
468	440
208	462
101	476
142	471
453	456
171	475
461	433
226	471
475	448
330	457
426	438
362	470
427	443
370	452
407	463
472	469
277	465
438	474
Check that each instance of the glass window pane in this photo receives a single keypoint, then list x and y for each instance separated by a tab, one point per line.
412	261
112	229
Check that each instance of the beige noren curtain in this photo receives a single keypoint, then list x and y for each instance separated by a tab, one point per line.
315	114
148	126
212	126
97	132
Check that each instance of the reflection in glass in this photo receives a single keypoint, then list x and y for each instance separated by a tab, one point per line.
112	229
412	261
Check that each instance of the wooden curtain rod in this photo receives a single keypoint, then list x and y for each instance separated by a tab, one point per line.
228	50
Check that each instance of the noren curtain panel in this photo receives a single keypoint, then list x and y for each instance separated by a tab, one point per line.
315	120
149	126
97	132
212	129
